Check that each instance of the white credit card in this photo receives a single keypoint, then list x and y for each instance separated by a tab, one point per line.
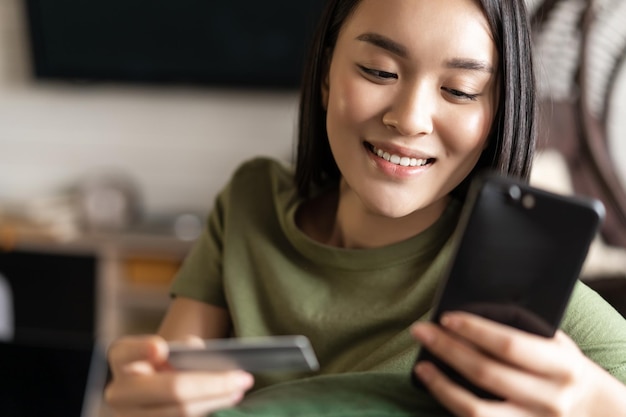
252	354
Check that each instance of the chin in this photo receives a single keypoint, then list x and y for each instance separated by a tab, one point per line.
392	211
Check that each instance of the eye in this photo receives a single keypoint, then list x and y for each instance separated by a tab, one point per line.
458	94
383	75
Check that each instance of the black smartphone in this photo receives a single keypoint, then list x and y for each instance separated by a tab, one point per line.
518	253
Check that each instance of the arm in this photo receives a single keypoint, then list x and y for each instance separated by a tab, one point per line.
187	317
536	376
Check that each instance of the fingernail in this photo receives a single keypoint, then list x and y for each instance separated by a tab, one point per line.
244	380
424	334
450	321
424	371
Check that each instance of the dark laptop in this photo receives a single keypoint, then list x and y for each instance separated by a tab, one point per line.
51	378
50	364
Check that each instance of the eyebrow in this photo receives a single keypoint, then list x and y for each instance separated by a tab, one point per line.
400	50
470	64
385	43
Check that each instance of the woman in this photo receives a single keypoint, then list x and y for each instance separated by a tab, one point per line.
402	102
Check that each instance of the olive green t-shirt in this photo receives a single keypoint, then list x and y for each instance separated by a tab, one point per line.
355	305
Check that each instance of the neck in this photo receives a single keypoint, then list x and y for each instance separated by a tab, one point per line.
357	227
341	220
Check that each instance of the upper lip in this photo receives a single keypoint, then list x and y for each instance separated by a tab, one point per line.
400	151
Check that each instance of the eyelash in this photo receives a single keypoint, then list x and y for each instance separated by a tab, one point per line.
461	94
384	75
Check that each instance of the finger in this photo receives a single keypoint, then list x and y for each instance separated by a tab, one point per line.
483	370
188	341
137	355
460	401
193	341
168	388
512	345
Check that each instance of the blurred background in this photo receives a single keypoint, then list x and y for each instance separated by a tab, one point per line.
172	95
120	120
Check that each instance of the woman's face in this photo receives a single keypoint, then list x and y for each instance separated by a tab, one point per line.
410	94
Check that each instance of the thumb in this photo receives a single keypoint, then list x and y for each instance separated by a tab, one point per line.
193	341
137	355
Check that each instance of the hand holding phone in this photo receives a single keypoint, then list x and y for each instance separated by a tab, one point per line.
518	253
258	354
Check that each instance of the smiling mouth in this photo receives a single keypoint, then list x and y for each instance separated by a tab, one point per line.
399	160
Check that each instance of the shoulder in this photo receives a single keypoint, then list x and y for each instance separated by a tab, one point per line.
262	169
259	180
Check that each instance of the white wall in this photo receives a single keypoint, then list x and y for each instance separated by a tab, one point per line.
179	144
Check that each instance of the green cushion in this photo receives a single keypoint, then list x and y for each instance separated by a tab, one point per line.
342	395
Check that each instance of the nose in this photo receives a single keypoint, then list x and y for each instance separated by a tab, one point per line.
411	113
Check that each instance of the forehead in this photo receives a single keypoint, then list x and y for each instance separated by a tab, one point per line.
460	26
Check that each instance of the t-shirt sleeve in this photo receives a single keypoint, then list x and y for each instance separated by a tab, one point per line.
598	329
200	276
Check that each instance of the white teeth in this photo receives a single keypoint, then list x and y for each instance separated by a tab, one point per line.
404	161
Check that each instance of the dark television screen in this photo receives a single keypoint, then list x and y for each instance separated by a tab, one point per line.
240	43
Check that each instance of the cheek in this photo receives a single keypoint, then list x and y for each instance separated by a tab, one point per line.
350	100
341	106
470	133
